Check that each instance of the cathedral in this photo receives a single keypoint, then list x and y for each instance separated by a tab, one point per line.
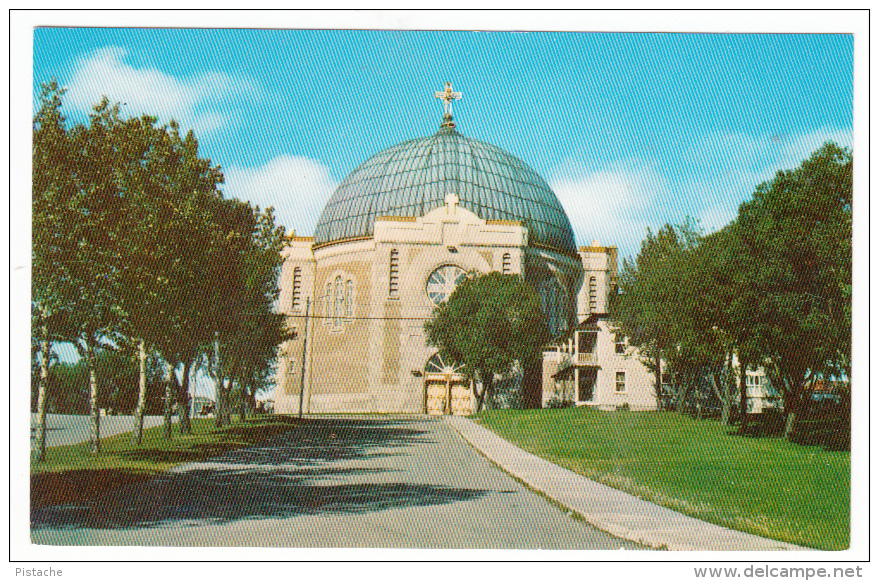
391	244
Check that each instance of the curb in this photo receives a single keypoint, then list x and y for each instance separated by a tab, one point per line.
608	509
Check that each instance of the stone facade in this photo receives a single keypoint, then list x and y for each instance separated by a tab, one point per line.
372	357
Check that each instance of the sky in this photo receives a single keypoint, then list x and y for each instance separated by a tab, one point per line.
631	130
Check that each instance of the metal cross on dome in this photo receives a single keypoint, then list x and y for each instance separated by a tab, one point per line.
447	96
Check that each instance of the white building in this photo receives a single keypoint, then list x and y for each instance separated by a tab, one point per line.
588	366
392	242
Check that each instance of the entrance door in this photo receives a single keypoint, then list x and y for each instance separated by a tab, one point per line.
435	397
586	384
447	395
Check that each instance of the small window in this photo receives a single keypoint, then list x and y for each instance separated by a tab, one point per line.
506	268
620	348
297	289
328	304
394	276
753	381
349	299
586	341
621	382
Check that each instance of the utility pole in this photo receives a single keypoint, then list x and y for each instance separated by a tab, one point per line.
304	352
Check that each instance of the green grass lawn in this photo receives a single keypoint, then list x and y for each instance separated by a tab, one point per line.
765	486
73	474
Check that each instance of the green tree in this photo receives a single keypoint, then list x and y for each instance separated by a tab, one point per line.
52	243
77	217
172	200
653	290
249	346
489	322
797	235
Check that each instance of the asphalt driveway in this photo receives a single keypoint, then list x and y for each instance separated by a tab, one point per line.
64	430
353	481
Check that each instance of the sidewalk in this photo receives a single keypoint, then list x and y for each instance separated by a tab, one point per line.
609	509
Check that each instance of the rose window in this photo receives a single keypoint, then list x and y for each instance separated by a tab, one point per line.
443	281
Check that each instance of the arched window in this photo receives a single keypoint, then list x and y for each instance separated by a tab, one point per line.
328	304
296	301
436	364
394	276
593	294
340	303
349	299
507	261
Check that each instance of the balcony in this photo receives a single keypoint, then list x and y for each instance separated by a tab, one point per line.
590	359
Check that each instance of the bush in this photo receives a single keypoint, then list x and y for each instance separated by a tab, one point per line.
555	403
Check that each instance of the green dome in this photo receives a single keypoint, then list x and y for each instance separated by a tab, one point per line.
412	178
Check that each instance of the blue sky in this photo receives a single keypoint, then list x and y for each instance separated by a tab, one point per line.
630	130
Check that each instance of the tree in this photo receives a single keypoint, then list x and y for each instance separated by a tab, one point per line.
653	290
52	188
489	322
246	328
171	206
249	347
797	235
77	213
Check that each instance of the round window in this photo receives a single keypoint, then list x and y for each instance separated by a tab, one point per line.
443	281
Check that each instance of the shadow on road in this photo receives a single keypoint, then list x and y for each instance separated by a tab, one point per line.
290	474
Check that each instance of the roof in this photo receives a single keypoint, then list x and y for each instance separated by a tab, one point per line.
412	178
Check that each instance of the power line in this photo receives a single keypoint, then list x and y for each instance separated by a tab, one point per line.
360	318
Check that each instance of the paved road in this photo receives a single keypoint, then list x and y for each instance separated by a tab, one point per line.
63	430
333	482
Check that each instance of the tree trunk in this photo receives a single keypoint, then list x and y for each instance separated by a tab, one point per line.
791	405
184	402
724	402
792	409
169	397
683	387
743	394
487	380
657	378
242	412
220	416
219	389
789	424
137	433
251	404
94	411
532	390
45	351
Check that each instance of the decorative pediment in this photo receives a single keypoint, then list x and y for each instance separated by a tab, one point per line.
451	226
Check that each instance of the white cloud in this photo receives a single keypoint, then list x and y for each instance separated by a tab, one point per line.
611	204
200	102
297	187
615	201
728	166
